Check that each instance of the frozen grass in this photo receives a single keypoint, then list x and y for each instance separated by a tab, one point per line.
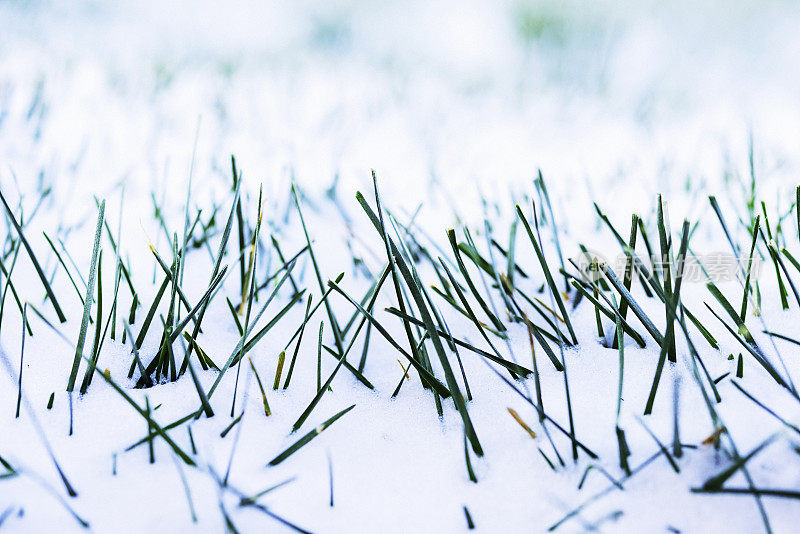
261	346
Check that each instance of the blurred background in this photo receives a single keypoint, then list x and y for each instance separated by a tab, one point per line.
604	97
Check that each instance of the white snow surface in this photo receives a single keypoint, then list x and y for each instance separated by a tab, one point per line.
615	103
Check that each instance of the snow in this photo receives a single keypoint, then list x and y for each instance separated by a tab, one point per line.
448	104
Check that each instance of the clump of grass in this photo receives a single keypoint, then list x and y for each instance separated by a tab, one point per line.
502	291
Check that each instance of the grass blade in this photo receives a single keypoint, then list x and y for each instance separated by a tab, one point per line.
87	307
308	437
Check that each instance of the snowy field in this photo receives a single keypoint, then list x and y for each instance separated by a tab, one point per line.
178	354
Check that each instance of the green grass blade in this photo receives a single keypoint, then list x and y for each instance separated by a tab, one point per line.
87	307
35	262
308	437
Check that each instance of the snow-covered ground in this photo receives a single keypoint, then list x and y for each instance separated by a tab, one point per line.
455	105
